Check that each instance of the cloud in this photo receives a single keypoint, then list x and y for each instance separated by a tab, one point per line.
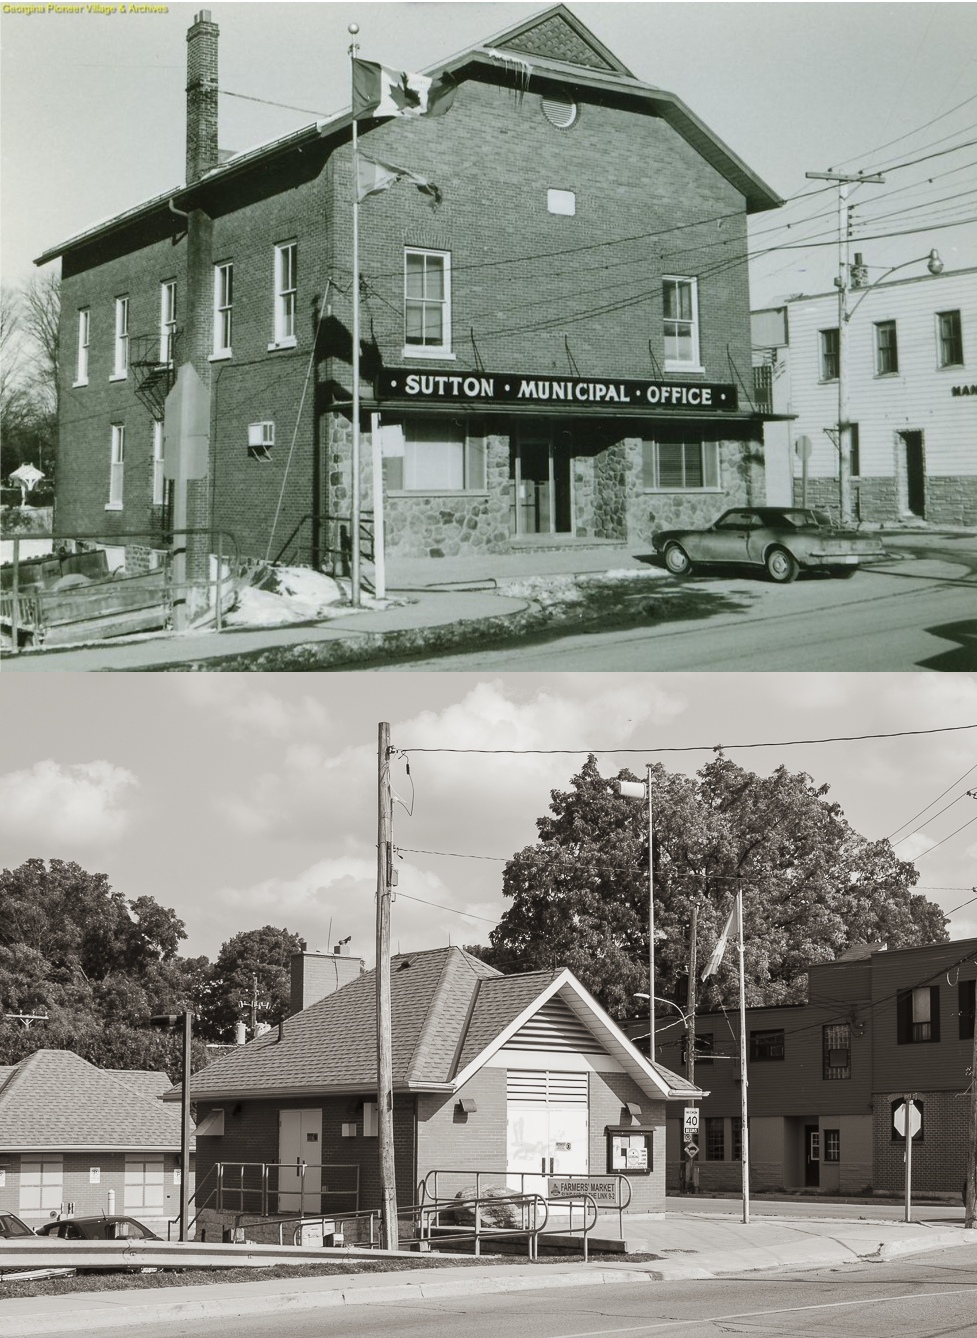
249	709
83	803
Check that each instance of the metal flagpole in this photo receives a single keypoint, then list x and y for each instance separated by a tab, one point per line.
744	1130
353	29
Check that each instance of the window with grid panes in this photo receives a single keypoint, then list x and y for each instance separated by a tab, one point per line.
950	336
886	349
427	293
736	1138
715	1138
829	355
686	465
223	307
286	291
832	1145
81	360
837	1050
120	362
766	1045
167	320
681	322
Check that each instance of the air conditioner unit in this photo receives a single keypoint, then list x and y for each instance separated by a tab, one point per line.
261	438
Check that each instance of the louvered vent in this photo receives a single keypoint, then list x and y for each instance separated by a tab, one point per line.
560	110
555	1027
539	1086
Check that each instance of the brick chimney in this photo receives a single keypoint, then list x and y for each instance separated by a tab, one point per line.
316	974
202	153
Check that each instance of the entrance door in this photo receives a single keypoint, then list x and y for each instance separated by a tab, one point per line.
914	472
300	1161
812	1155
547	1126
539	485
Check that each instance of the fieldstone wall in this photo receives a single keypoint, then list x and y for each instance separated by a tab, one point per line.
610	497
951	500
584	489
741	475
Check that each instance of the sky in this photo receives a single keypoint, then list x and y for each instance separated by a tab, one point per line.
93	114
243	800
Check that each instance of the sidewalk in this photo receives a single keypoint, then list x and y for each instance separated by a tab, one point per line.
698	1246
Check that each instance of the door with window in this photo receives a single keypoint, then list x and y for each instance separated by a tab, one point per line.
812	1155
548	1127
300	1161
540	485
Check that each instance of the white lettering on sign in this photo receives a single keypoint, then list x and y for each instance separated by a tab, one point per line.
600	1190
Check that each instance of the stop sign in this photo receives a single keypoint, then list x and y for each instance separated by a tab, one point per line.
915	1119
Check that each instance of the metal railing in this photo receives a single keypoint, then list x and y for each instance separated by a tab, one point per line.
24	611
264	1182
330	542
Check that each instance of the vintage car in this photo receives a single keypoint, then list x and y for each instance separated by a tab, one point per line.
783	540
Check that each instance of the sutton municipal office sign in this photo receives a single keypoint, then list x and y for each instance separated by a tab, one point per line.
493	388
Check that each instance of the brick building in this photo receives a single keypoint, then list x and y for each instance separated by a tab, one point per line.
518	1076
71	1134
912	381
825	1076
559	349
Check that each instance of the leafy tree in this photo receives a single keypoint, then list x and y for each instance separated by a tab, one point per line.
224	993
811	884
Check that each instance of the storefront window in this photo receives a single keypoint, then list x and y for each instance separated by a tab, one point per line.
684	465
432	455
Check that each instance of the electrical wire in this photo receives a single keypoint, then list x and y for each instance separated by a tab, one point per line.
958	781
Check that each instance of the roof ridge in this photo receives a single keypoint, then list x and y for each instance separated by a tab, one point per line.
417	1054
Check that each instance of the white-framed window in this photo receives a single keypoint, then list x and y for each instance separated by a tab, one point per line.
116	467
685	465
120	361
680	307
828	340
167	321
41	1186
432	455
886	348
427	302
286	293
158	482
950	338
84	335
144	1192
223	308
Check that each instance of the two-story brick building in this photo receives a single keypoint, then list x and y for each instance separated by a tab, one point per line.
518	1077
825	1076
559	348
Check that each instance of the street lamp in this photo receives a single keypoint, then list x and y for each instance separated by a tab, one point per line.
935	266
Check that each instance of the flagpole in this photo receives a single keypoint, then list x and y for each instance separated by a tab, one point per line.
744	1129
353	29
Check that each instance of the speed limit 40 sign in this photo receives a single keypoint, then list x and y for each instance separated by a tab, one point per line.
691	1119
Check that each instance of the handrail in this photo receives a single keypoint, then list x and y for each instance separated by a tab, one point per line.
197	1187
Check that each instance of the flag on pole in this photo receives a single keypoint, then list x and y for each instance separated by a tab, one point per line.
374	176
717	952
378	91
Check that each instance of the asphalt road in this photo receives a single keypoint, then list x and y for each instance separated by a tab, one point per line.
875	1210
916	614
925	1296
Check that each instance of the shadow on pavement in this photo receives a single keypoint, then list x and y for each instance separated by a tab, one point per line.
965	654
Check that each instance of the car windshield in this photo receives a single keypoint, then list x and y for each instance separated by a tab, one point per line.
13	1226
797	519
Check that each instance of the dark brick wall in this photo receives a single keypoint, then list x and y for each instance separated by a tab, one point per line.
940	1160
493	156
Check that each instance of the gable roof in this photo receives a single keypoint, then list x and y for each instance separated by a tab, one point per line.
554	45
55	1100
450	1013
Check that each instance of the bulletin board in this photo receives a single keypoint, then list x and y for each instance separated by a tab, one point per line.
630	1152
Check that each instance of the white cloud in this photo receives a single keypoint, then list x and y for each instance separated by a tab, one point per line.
914	846
83	803
251	709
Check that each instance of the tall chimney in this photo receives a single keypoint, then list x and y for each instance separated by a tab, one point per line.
316	974
202	152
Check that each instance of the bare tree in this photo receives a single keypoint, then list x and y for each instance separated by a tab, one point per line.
10	352
41	318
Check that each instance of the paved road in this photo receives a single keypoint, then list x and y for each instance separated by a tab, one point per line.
926	1296
916	614
875	1210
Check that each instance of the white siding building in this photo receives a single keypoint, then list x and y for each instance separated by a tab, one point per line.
912	392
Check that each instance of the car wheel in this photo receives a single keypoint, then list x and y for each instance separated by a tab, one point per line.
781	566
677	560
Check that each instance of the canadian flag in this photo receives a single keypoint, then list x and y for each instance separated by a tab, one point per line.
720	948
378	91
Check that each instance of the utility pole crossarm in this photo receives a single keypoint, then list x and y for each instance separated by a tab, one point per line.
850	178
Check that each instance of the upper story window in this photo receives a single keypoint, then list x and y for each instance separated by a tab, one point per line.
950	335
829	355
84	334
967	998
683	465
286	294
116	467
715	1138
680	303
886	348
223	309
766	1045
918	1015
167	321
427	302
120	361
836	1046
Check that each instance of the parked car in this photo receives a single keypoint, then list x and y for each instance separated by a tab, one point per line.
12	1228
783	540
98	1228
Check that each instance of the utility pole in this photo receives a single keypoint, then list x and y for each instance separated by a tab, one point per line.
744	1112
385	1124
651	917
185	1127
693	1168
971	1219
842	282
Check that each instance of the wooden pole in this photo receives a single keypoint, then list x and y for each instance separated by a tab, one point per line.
651	922
693	1169
185	1132
385	1129
744	1114
971	1219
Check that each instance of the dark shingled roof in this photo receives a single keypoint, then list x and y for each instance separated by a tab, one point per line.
56	1100
447	1009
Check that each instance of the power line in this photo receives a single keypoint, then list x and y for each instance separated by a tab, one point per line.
934	801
